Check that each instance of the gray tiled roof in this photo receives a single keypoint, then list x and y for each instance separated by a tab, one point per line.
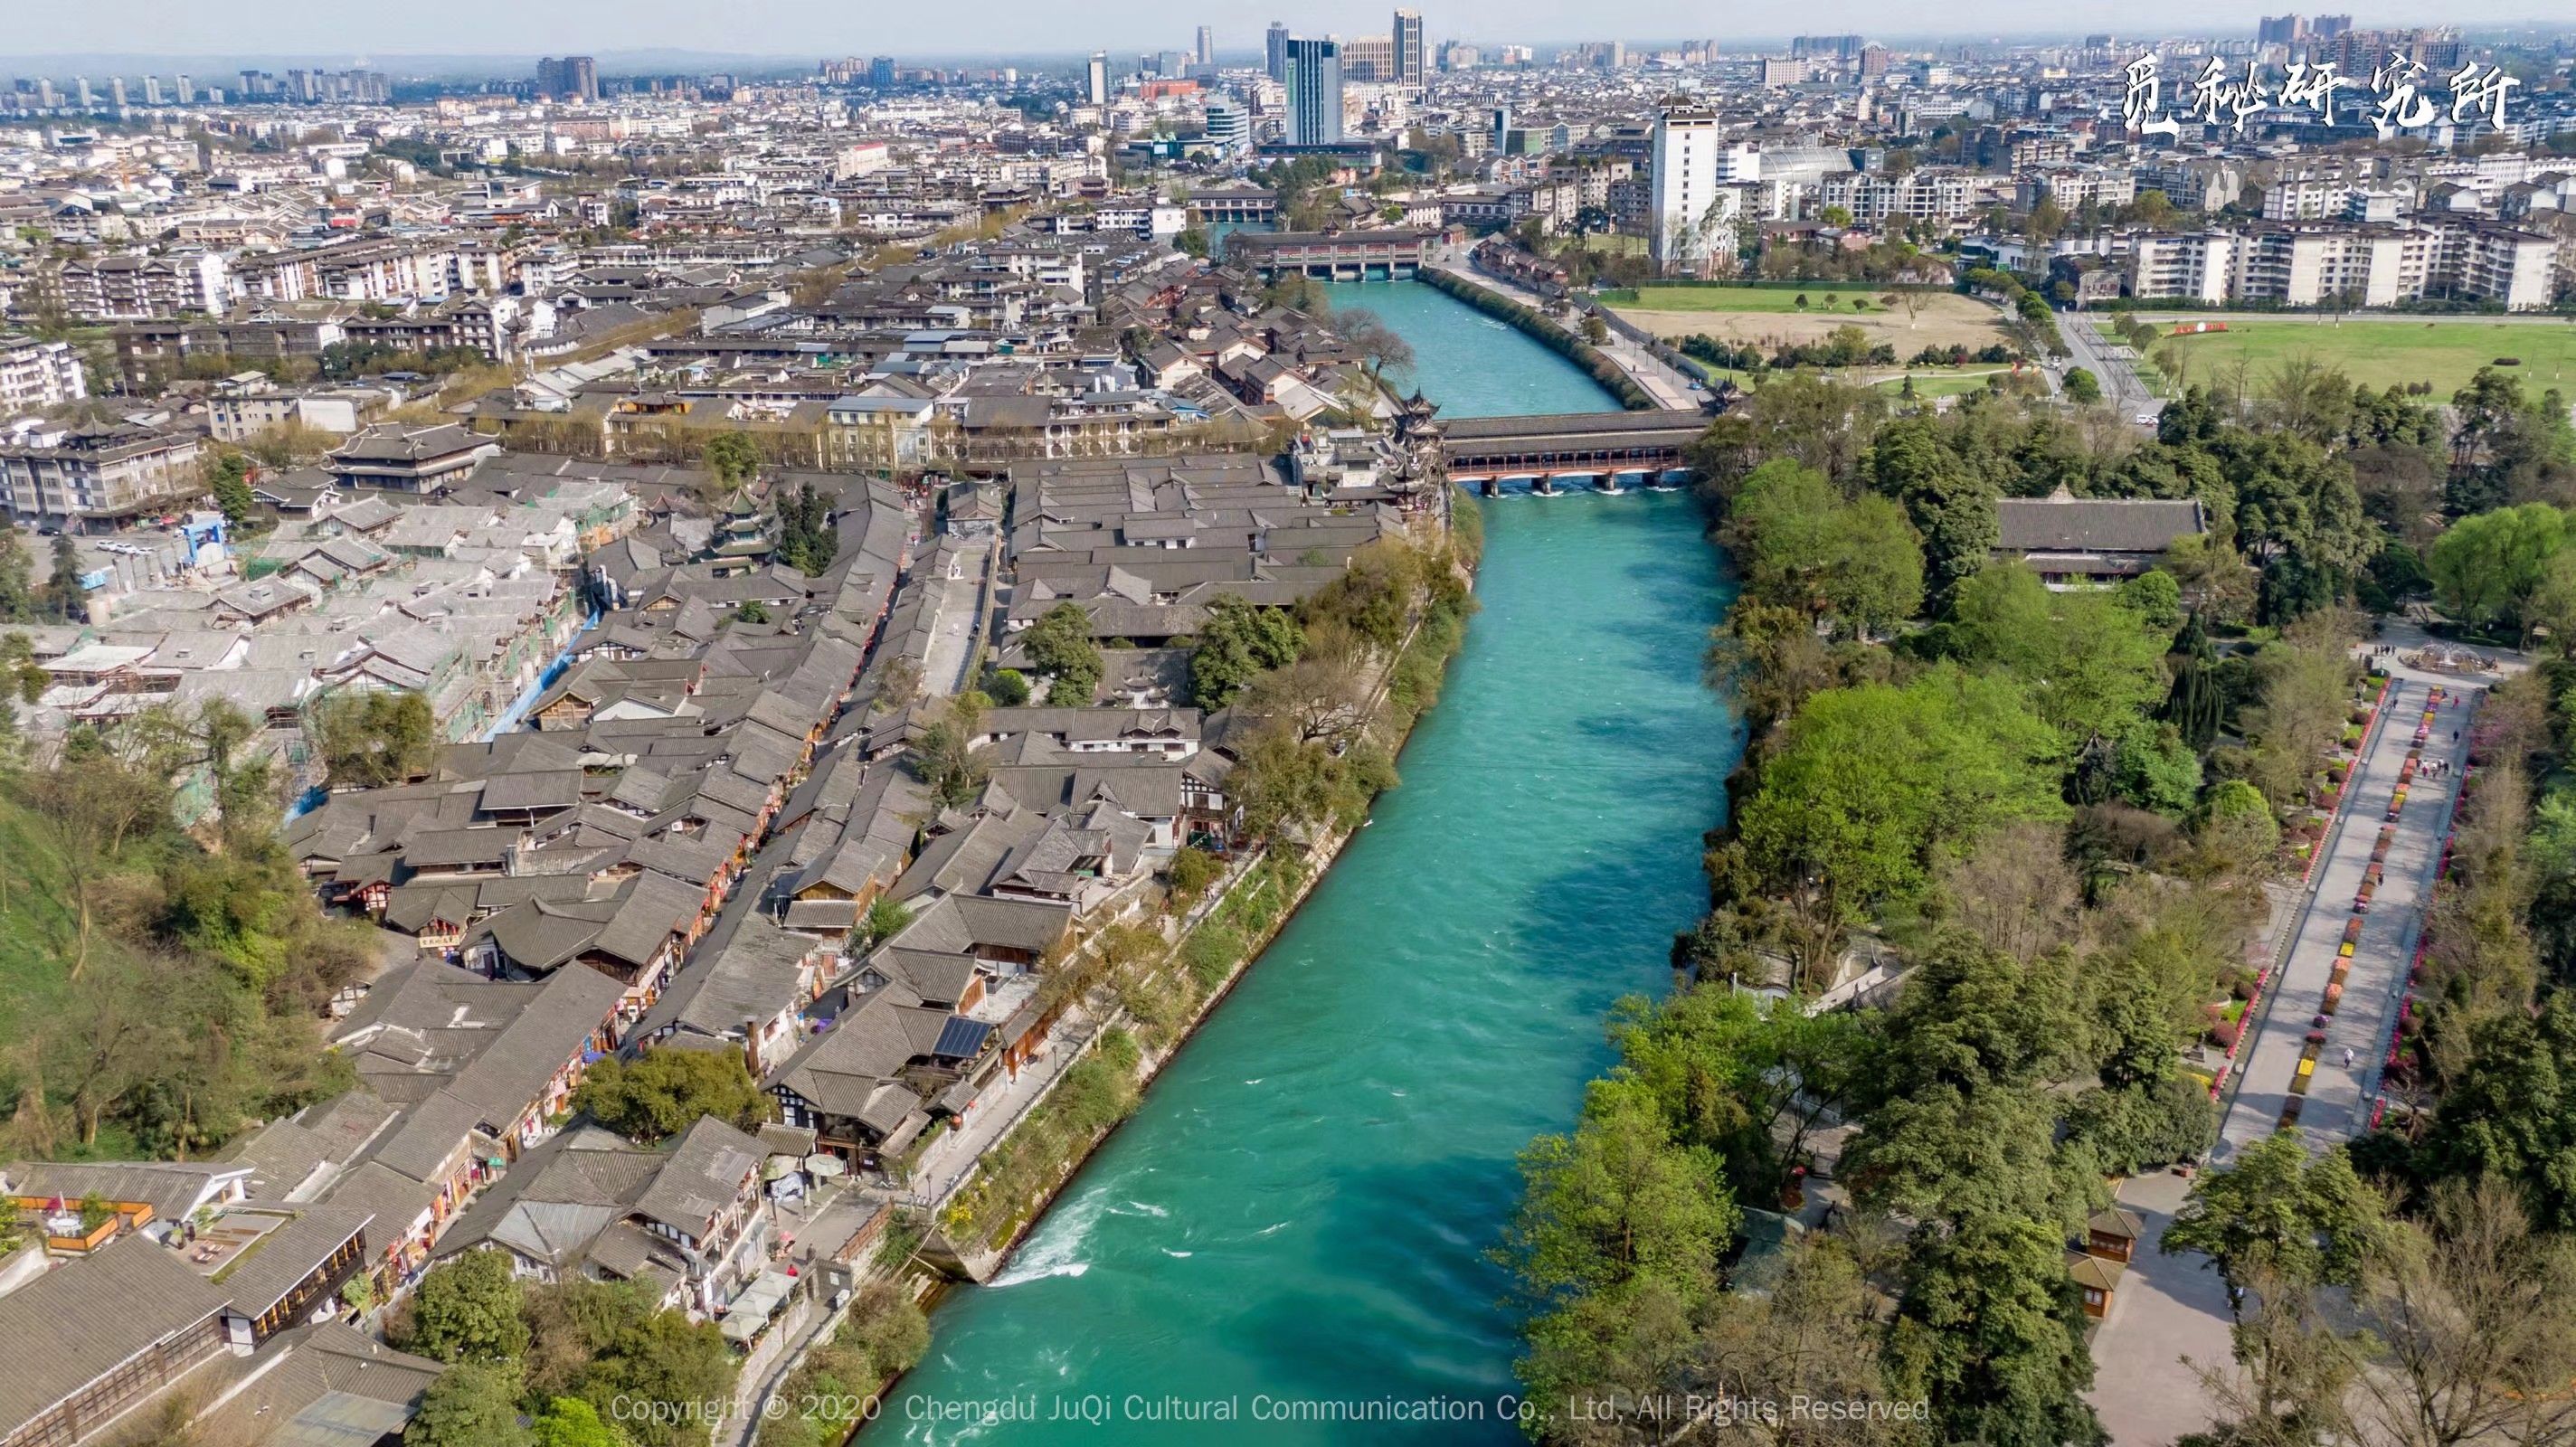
72	1324
2101	525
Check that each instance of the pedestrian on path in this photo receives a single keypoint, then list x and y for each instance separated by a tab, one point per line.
2347	1057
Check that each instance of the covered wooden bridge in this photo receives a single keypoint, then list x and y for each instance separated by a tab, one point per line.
1486	450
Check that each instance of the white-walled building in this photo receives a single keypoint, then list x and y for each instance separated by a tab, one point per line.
1686	162
2322	263
36	374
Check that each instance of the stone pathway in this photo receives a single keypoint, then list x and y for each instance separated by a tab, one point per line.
2167	1308
2173	1307
2336	1104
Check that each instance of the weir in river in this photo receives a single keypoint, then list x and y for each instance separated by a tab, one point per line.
1298	1220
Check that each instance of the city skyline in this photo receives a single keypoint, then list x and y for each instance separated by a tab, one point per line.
789	29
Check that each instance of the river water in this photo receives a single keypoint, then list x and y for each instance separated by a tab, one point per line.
1301	1211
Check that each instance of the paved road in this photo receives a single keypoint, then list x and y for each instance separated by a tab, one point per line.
2121	386
959	624
2335	1108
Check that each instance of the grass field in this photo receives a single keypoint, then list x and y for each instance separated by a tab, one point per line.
1928	381
2386	352
1940	384
1822	297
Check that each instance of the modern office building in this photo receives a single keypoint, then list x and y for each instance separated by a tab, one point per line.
1095	85
1314	82
1205	53
1275	52
1409	61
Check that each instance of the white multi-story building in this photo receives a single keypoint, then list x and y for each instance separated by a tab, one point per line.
1686	158
2361	265
2498	263
94	478
2072	186
130	288
35	375
1919	195
2195	267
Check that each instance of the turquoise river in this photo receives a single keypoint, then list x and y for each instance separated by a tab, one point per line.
1300	1215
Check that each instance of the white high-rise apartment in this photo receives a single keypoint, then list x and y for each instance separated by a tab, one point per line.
1687	147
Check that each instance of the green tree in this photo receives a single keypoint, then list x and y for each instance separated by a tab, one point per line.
1876	582
2090	659
2236	828
90	808
807	538
884	920
471	1404
1290	786
1952	507
64	599
2082	387
2488	568
2294	498
2275	1210
19	602
2510	1112
467	1310
1238	643
1868	787
2153	768
1963	1139
1990	1327
2156	597
572	1422
1751	1083
1801	545
1007	687
1619	1226
730	458
664	1092
1059	645
369	738
229	478
752	610
946	758
1192	871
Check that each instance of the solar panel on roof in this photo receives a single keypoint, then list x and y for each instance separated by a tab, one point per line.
960	1037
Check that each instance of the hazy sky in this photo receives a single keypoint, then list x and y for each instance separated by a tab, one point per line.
348	30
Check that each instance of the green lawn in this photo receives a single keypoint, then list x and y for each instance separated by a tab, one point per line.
1928	381
1757	298
1941	384
2382	352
